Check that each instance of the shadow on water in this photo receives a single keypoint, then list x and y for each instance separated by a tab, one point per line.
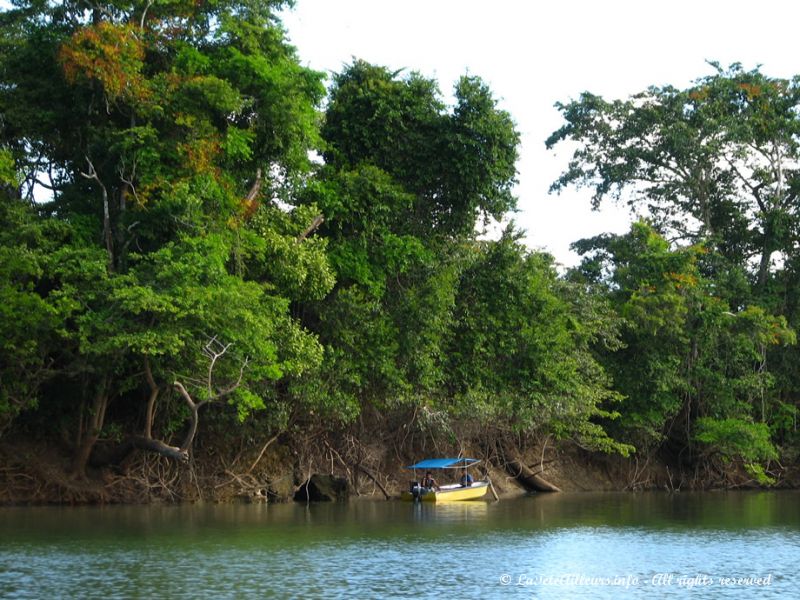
381	549
299	523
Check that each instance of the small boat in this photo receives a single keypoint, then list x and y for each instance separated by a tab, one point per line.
469	490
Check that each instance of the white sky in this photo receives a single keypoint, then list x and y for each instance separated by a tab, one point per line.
533	54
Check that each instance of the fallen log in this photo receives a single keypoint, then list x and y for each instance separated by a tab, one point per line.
527	478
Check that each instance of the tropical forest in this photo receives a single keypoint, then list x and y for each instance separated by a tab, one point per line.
224	274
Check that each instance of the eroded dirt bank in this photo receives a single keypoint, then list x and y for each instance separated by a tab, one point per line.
324	465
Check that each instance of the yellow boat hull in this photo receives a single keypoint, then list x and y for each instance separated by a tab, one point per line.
450	493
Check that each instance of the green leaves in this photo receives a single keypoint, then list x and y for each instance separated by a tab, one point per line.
238	144
521	350
8	175
147	126
739	439
457	165
189	233
708	323
484	143
722	152
36	303
689	363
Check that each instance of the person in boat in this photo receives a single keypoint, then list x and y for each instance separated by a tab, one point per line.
429	482
466	479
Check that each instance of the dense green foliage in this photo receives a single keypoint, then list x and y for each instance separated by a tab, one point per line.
168	241
707	364
153	139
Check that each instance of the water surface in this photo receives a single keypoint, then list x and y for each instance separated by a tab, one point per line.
720	545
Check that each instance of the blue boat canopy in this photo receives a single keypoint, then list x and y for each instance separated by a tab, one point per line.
444	463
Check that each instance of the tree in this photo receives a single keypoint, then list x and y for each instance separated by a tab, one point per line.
159	136
688	362
405	180
457	165
716	162
30	318
714	165
520	353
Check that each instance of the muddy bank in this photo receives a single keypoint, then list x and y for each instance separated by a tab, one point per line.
328	466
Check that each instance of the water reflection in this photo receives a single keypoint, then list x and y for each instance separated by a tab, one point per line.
383	549
471	513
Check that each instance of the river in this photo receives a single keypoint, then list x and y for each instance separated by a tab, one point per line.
635	545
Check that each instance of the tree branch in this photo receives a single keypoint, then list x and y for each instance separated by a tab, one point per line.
151	401
754	189
255	189
182	390
144	14
213	354
92	175
315	223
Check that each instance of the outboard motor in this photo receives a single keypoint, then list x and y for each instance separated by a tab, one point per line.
415	490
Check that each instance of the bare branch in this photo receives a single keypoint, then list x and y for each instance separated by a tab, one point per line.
193	408
144	14
260	454
151	400
214	350
182	390
41	183
92	175
232	388
315	223
128	181
255	189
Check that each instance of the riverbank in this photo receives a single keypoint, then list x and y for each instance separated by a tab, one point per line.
332	467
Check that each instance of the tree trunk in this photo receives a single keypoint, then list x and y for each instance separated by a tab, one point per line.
194	417
146	442
768	246
763	268
374	480
522	473
108	235
119	455
151	401
91	431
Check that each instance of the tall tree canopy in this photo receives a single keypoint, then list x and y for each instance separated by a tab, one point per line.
715	162
708	346
686	355
520	354
157	138
458	164
404	178
423	314
168	241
